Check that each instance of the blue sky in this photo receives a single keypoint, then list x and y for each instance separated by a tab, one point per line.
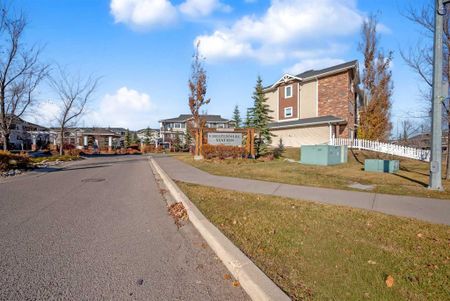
143	48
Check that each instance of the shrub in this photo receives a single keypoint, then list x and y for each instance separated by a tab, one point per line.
12	161
74	152
222	151
68	146
152	149
279	150
132	151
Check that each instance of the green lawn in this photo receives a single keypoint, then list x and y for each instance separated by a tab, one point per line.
55	158
412	179
324	252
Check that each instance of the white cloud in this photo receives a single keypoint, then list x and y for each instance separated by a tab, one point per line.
143	13
125	108
46	113
286	26
202	8
224	45
316	64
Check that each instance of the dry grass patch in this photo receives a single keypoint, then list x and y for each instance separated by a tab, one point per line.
324	252
412	179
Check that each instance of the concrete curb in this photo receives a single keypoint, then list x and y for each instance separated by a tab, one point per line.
257	285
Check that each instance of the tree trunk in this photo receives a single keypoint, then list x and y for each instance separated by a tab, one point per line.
5	141
447	174
61	143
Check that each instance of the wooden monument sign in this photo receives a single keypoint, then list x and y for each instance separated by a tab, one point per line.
225	136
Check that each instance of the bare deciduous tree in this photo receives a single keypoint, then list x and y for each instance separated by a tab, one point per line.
20	71
420	59
197	87
408	129
73	93
377	84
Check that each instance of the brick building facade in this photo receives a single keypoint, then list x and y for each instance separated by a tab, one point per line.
313	106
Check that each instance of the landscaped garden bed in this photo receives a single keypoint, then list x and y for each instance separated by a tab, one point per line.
15	164
324	252
9	161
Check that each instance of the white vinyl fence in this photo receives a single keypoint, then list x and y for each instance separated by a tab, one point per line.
387	148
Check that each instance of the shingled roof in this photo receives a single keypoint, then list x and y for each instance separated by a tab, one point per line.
329	119
314	73
185	117
321	72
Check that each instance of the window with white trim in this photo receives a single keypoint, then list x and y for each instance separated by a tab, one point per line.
288	91
287	112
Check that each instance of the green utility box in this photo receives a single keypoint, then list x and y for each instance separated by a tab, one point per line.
323	154
376	165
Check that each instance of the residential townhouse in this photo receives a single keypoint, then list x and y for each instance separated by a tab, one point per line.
171	127
26	135
315	105
95	137
149	135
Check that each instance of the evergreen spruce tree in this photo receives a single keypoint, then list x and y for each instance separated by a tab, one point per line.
261	119
279	150
127	140
187	139
134	138
177	142
148	134
248	119
237	117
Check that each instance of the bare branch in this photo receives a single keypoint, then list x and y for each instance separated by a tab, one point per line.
20	71
73	93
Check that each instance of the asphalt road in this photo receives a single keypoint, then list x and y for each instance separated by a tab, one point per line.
99	230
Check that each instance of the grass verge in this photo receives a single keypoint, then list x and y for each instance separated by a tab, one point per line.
412	179
55	158
323	252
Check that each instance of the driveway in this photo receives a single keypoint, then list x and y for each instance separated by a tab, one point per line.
99	229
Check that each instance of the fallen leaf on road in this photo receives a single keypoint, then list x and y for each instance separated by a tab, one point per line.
179	213
389	281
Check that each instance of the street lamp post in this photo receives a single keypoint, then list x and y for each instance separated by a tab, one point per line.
437	96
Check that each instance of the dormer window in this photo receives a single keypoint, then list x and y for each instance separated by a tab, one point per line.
288	91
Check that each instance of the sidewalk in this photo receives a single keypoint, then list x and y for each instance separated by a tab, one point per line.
430	210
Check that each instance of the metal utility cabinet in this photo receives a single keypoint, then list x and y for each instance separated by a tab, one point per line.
323	154
377	165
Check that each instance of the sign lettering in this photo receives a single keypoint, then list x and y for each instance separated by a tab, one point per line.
231	139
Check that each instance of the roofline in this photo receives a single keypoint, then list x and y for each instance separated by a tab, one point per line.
184	120
354	65
340	121
331	72
282	79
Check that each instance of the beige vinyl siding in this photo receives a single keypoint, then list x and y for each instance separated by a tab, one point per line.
308	100
296	137
272	102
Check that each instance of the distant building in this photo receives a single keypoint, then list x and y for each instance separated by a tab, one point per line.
152	138
25	135
315	105
177	126
94	137
423	141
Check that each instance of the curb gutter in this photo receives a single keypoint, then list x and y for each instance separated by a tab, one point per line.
256	284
